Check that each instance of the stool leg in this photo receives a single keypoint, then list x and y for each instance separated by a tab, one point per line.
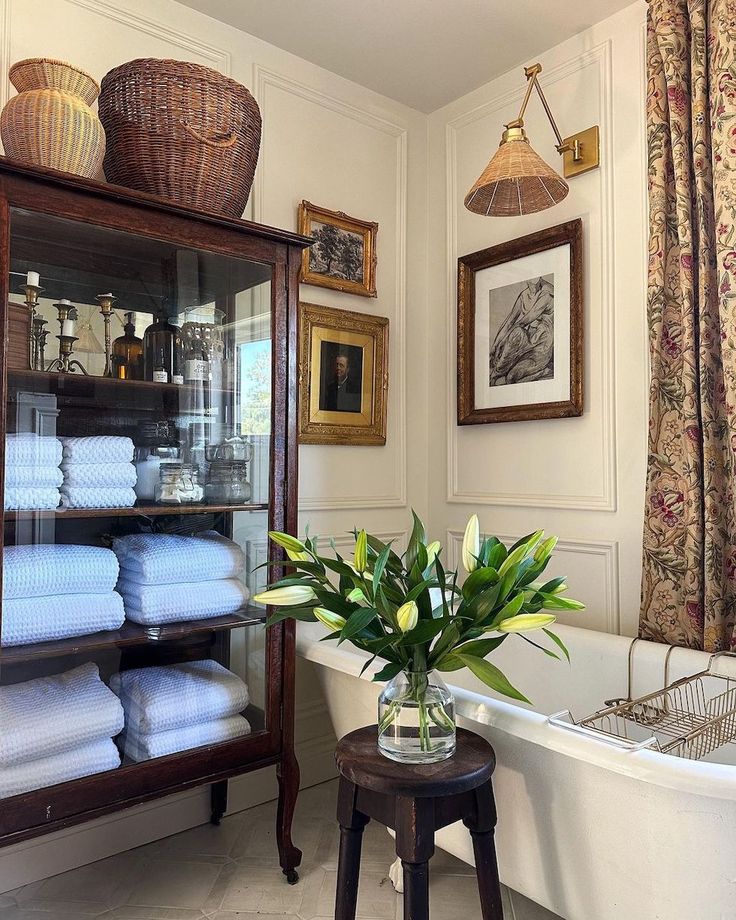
482	826
415	846
416	890
351	823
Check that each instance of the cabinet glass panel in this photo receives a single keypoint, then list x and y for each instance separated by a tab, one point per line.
136	500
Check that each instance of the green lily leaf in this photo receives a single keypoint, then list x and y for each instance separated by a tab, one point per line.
511	609
478	580
492	677
558	642
424	631
554	602
480	647
305	614
357	622
449	663
389	671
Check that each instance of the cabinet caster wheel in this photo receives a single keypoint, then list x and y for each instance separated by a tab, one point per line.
292	876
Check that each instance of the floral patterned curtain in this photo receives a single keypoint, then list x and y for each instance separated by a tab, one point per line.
689	577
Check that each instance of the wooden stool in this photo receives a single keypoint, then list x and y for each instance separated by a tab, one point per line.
415	801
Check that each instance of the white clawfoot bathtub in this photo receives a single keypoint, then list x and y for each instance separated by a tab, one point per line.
587	830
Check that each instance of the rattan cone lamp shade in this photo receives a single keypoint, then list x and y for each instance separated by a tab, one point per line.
517	181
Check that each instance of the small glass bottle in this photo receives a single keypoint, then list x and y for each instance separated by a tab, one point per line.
196	365
161	338
127	353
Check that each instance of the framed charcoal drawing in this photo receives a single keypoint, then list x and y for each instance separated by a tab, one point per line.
520	328
343	376
343	255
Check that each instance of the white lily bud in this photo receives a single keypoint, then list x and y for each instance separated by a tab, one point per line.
329	618
432	551
526	622
471	544
291	596
361	552
407	616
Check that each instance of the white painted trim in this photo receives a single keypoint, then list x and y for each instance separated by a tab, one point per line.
219	57
262	80
607	549
607	500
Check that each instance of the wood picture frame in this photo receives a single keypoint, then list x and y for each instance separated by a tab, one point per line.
350	242
520	328
343	376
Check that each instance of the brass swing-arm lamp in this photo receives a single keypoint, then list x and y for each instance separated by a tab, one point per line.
517	180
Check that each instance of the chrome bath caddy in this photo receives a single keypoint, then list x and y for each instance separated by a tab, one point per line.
688	718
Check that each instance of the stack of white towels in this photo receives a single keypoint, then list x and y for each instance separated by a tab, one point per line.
171	708
98	472
56	729
54	591
32	474
165	578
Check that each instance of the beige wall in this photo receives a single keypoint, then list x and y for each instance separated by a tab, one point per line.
580	478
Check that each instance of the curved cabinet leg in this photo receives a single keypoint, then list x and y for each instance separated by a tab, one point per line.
287	773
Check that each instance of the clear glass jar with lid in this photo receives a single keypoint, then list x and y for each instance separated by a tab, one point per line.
227	482
178	484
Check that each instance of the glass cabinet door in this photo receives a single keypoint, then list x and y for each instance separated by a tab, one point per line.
136	501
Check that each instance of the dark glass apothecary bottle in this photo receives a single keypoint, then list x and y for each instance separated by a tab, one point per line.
162	345
127	353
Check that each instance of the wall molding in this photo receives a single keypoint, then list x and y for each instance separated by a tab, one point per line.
218	57
600	56
263	80
606	549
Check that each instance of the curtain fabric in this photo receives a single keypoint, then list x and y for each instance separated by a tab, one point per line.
689	572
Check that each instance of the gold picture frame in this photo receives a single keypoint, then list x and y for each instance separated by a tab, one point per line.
345	258
343	376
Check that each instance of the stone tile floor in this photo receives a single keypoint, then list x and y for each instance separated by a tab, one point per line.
231	872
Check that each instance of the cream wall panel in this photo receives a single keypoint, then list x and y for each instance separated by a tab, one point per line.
579	478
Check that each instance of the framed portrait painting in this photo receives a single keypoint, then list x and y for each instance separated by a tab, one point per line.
343	255
343	376
520	328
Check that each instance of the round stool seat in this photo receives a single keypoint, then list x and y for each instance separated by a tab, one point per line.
360	761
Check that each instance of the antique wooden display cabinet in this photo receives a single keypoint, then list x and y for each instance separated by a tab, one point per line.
235	284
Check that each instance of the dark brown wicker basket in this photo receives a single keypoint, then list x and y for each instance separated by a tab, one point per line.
181	131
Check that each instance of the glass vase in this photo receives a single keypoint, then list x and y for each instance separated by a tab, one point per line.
416	718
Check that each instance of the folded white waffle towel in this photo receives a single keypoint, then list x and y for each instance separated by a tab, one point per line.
78	497
31	498
163	697
39	619
24	477
145	746
45	569
27	449
93	757
98	449
160	558
47	715
152	605
92	475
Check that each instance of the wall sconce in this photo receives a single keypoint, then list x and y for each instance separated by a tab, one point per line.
517	180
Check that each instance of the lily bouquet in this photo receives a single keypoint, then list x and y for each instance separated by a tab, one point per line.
410	612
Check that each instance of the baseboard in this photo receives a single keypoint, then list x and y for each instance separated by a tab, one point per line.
77	846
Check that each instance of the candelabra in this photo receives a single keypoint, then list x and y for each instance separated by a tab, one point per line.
36	324
39	336
64	364
106	301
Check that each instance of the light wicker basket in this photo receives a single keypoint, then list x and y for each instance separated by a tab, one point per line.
50	122
181	131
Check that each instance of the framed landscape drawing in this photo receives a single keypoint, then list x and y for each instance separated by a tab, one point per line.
520	328
343	376
343	255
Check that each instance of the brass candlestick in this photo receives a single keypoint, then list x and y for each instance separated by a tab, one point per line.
64	364
66	313
106	301
38	339
32	291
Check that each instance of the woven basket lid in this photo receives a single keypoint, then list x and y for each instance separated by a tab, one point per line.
517	181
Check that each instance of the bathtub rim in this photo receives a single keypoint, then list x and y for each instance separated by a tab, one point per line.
713	781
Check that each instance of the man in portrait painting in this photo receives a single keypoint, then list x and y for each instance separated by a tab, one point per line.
343	390
523	347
